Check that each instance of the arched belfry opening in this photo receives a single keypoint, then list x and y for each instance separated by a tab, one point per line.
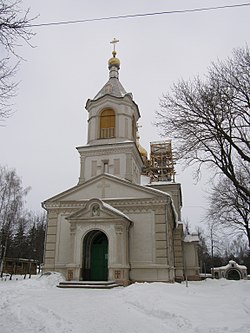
95	256
107	124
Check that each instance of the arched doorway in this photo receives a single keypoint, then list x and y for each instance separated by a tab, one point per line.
95	256
233	274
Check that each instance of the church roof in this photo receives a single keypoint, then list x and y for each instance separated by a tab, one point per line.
113	87
83	191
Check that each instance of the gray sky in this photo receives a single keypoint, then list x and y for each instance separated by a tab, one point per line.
68	65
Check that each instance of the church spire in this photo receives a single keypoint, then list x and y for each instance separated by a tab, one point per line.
114	63
113	87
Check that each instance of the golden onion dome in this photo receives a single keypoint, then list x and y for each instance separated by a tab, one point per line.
114	61
142	151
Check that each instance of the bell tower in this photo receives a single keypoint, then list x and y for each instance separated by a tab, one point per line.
112	112
112	122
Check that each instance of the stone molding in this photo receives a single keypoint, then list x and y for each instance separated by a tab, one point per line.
66	207
110	147
149	265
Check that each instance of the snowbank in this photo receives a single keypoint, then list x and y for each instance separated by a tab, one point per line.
210	306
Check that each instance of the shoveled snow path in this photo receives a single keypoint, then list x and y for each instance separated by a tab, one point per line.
36	305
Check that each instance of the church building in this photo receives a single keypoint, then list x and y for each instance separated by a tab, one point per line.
122	221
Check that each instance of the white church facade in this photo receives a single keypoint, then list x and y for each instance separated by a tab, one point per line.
110	226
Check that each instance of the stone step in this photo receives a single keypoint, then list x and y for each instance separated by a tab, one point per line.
89	284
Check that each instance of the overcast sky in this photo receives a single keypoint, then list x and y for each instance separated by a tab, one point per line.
68	65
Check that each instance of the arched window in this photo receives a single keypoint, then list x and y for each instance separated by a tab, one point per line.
107	124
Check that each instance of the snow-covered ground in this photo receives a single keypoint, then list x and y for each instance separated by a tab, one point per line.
36	305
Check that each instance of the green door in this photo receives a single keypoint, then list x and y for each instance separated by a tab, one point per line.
99	258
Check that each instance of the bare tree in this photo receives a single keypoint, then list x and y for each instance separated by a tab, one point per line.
7	88
36	236
14	29
236	250
203	253
211	120
228	208
12	196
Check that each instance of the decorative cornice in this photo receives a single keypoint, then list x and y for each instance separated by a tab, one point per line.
71	206
137	202
102	149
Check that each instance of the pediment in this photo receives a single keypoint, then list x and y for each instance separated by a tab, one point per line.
94	210
107	186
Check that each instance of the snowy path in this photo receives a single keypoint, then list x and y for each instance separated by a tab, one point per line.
36	305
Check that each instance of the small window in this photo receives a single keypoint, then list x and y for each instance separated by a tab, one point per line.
107	124
105	166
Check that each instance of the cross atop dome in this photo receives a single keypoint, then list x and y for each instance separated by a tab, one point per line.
114	42
114	63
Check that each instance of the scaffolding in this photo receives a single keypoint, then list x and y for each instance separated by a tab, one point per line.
161	164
